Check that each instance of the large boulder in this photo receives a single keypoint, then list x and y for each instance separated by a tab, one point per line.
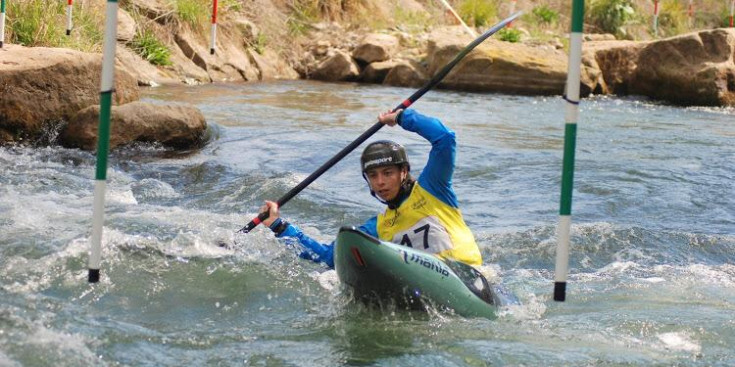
615	61
41	87
497	66
270	66
691	69
375	47
126	26
338	67
377	71
178	126
406	73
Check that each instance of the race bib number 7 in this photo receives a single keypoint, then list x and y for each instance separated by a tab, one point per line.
427	234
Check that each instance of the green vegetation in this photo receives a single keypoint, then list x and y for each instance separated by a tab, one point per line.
509	35
43	23
477	13
611	16
672	18
261	41
150	48
195	13
545	15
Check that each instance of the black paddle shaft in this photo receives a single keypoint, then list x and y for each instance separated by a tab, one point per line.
378	125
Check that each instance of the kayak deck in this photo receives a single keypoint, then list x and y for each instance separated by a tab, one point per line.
379	272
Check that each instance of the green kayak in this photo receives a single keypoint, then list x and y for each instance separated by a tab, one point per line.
381	272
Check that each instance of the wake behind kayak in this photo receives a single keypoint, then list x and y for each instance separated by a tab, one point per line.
379	272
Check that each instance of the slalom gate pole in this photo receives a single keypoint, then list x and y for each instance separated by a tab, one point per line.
213	37
732	11
68	17
2	22
570	137
103	139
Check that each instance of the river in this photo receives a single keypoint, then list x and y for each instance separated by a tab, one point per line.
652	265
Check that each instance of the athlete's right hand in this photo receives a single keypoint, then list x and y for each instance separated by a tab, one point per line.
273	212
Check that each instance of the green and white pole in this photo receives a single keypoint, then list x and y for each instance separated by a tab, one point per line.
69	7
2	22
570	138
103	139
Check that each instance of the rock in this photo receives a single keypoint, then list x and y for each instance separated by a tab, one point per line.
270	66
248	30
177	126
41	86
126	26
377	71
144	72
375	47
406	74
691	69
598	37
158	10
615	62
229	63
338	67
497	66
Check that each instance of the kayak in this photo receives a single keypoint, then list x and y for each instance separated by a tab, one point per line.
380	272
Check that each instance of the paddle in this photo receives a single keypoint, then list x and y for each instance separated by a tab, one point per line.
405	104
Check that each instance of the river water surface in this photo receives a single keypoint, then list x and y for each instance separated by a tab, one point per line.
652	278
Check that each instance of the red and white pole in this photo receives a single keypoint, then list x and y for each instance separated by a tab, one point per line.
214	27
732	10
512	10
690	13
68	17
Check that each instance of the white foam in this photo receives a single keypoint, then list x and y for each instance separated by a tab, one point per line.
326	279
5	361
679	341
71	346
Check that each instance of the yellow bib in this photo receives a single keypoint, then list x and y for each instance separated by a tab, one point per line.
424	222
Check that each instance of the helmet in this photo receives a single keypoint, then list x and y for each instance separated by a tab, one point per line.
383	153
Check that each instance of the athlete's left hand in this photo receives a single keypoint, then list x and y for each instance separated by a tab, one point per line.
389	117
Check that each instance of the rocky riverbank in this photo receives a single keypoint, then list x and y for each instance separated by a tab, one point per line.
46	89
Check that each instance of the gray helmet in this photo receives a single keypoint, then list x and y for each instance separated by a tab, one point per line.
383	153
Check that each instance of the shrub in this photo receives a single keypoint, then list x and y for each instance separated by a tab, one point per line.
150	48
509	35
546	15
611	15
195	13
477	13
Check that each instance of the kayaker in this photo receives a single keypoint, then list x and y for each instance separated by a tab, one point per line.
422	213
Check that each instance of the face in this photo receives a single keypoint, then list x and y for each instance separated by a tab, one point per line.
386	181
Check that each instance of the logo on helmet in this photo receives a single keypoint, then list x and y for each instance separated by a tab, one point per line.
378	161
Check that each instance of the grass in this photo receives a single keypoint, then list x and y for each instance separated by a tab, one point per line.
43	23
477	13
512	35
195	13
151	48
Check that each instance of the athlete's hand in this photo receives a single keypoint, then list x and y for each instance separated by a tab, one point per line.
389	117
273	212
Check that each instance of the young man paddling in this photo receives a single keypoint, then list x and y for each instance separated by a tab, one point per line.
422	213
